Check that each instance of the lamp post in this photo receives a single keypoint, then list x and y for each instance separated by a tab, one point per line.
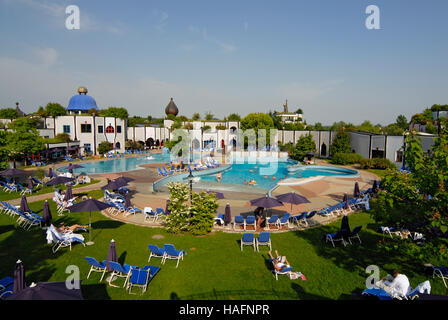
190	179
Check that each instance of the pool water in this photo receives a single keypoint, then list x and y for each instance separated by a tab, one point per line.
120	164
268	175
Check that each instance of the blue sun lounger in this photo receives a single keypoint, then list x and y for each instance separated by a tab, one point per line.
264	239
96	266
248	240
173	254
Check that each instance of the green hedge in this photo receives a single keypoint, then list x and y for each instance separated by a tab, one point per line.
346	158
377	163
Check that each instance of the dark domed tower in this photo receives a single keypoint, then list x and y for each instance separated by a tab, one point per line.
171	108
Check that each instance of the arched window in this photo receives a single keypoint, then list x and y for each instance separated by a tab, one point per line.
232	129
323	150
110	129
117	145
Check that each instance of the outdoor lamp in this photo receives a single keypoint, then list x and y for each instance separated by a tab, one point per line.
190	178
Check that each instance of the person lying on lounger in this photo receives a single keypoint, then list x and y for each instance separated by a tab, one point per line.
63	229
280	262
397	284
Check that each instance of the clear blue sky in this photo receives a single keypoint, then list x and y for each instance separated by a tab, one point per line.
229	56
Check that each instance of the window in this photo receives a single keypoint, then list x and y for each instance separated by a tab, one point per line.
110	129
66	129
86	128
399	156
118	129
117	145
87	147
100	129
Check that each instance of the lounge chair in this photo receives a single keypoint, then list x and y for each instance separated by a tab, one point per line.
149	213
272	220
38	182
161	173
264	239
283	221
219	220
440	272
119	271
63	241
248	240
160	213
96	267
5	282
6	292
300	220
141	277
155	251
355	234
173	254
332	237
238	220
284	271
250	221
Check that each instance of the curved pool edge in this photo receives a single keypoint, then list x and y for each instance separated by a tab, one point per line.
158	184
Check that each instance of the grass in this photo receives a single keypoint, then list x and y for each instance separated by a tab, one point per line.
6	196
214	267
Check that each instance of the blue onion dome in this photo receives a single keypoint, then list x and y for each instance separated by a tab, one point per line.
81	102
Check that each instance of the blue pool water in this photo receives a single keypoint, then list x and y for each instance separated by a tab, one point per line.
263	173
120	164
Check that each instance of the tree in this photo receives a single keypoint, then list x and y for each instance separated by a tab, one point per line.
202	210
9	113
182	118
105	147
3	151
234	117
23	140
341	143
258	121
299	111
418	200
318	126
177	220
209	116
393	130
41	112
304	145
53	109
367	126
402	122
196	116
115	112
93	112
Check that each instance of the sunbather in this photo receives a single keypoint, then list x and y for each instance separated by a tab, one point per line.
280	262
397	284
63	229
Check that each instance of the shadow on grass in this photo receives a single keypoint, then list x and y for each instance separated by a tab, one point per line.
356	256
31	247
247	294
95	291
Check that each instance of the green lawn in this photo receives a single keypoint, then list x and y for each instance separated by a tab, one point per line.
6	196
214	267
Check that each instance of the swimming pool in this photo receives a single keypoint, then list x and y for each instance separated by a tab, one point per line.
267	175
120	164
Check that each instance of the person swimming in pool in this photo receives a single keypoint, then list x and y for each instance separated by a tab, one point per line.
274	178
245	182
219	177
250	170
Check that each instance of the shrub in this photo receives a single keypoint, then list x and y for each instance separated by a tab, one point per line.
346	158
104	147
377	163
